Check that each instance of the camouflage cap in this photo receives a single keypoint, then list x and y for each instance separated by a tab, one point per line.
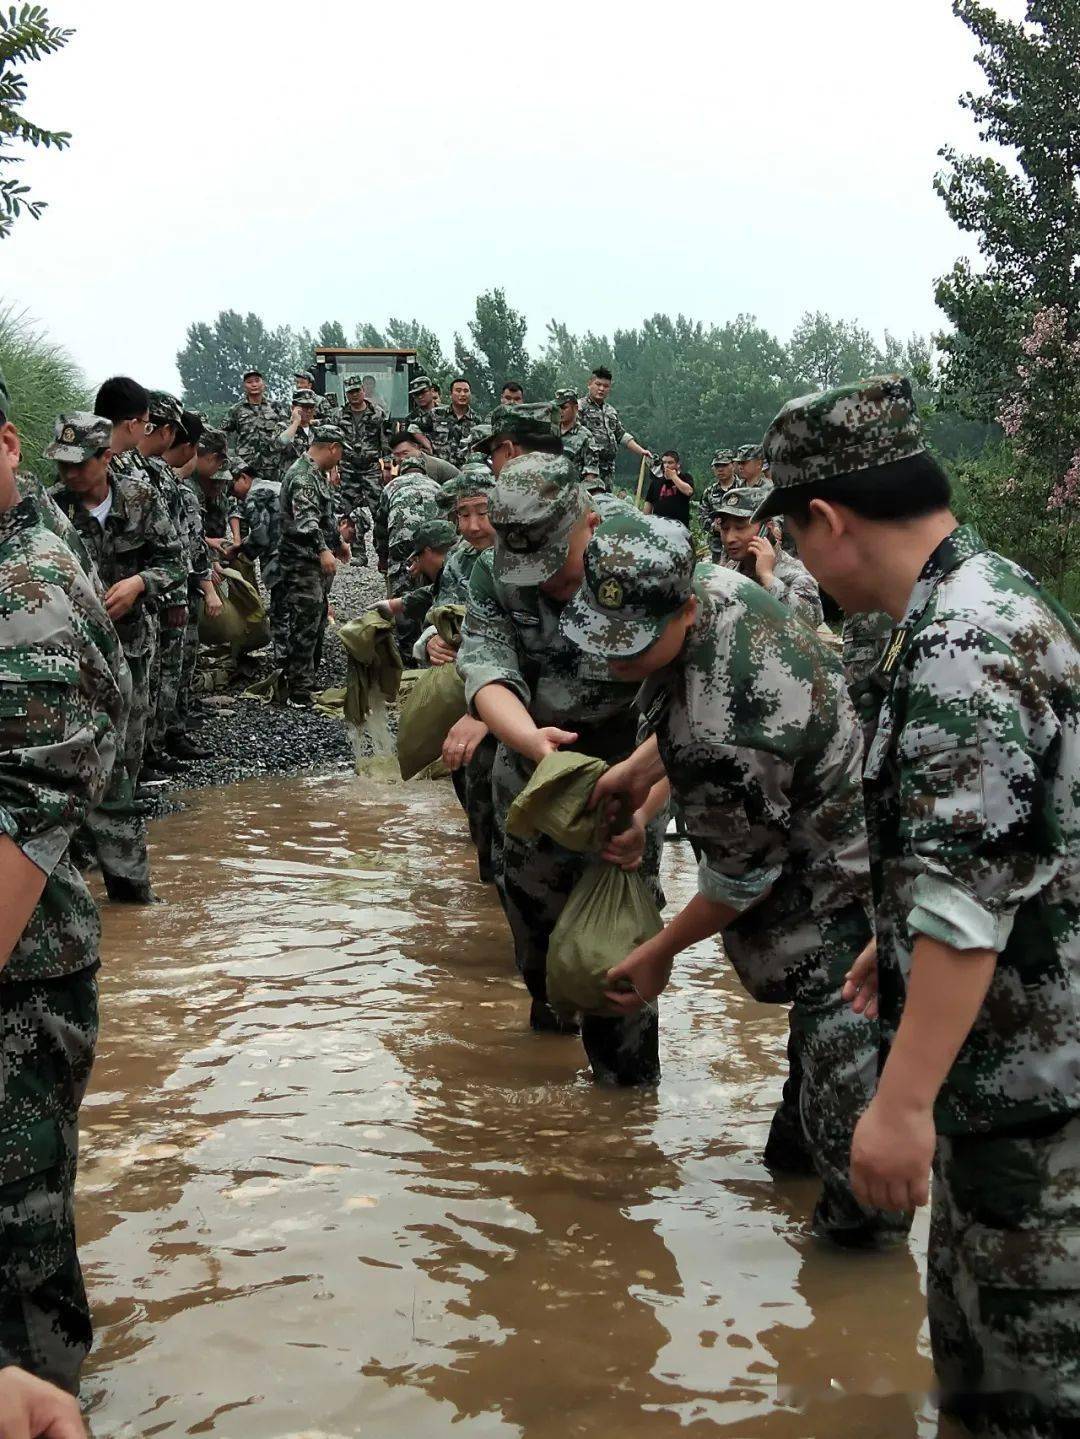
479	437
353	382
639	571
78	436
475	479
748	452
165	409
535	504
328	435
304	375
840	432
412	462
420	384
740	504
724	457
566	395
434	534
244	466
213	442
522	423
307	398
252	370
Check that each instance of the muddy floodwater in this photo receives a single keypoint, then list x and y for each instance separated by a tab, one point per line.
332	1186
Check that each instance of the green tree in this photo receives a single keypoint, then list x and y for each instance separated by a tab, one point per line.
43	380
495	351
824	352
214	357
1025	212
332	335
25	36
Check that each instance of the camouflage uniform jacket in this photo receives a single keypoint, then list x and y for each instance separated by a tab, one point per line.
365	440
451	588
251	431
409	504
607	430
169	485
794	586
216	508
511	636
760	743
381	517
578	444
288	449
60	706
422	418
709	515
308	517
863	640
450	432
262	520
138	538
197	549
972	791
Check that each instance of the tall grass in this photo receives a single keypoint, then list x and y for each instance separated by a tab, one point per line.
42	379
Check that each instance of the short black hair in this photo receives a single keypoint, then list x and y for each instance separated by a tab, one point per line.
193	425
513	385
543	445
903	490
674	455
404	438
457	380
121	398
601	372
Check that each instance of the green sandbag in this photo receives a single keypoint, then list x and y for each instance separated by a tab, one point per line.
374	663
242	624
271	688
555	802
447	620
435	702
609	913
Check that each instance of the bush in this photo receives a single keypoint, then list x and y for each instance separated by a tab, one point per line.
42	380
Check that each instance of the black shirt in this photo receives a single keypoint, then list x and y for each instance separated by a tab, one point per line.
668	502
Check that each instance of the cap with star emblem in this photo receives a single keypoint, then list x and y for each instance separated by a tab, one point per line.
537	501
78	436
308	398
639	572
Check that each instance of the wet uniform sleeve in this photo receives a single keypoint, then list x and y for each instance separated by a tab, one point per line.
970	784
165	568
56	749
489	651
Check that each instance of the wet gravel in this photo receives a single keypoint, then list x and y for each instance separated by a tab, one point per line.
248	738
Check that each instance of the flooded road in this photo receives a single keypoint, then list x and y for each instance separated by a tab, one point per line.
332	1186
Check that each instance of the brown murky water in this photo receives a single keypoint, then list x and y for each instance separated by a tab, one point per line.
331	1185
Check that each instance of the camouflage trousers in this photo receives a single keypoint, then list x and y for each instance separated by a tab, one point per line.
1003	1280
279	622
534	879
190	658
165	682
306	607
49	1029
138	717
472	785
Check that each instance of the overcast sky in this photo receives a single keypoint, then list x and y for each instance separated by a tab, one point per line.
341	160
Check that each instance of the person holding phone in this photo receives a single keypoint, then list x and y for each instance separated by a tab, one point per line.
670	491
753	548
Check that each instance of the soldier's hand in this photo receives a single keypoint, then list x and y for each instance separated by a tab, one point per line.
439	652
327	563
642	975
345	553
213	604
120	597
30	1407
891	1153
861	983
620	782
763	555
461	741
626	848
547	740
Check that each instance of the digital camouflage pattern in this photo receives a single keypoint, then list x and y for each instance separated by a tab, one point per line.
795	587
78	436
536	502
450	433
840	432
251	431
579	446
308	526
409	501
167	668
709	516
511	636
289	448
863	640
538	420
217	504
608	433
434	533
262	524
365	440
973	781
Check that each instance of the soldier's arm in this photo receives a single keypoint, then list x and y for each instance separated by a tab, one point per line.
164	568
801	595
307	517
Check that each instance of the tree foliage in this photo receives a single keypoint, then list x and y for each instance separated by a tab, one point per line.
214	357
43	380
1024	213
25	36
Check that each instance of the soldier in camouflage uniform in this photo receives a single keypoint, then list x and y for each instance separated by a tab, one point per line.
295	439
750	468
364	428
409	498
60	706
761	559
603	423
723	468
325	412
972	787
452	425
421	403
537	692
252	426
753	728
211	483
577	441
125	527
308	552
261	525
